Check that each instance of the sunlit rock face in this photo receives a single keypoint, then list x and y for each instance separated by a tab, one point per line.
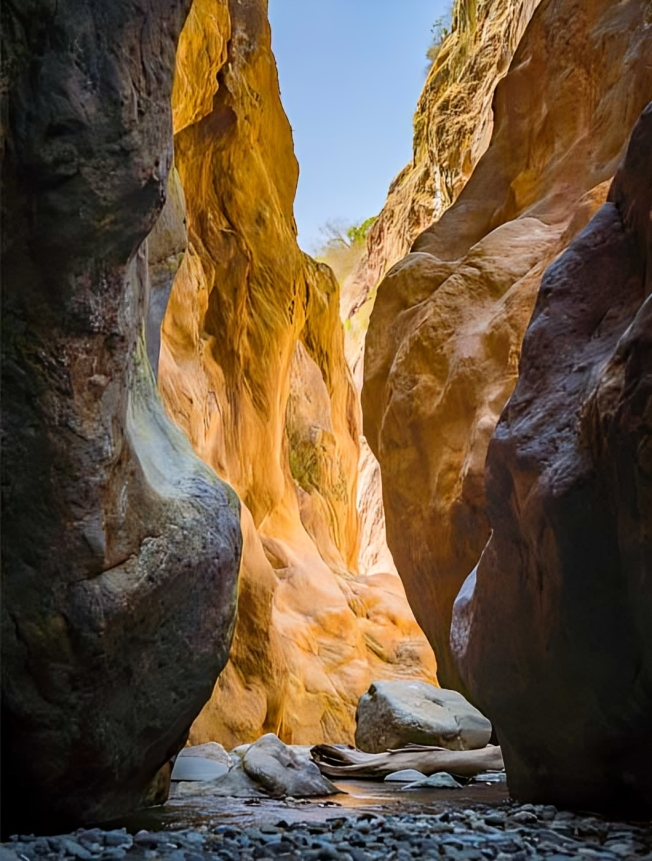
452	128
252	367
567	571
120	548
445	336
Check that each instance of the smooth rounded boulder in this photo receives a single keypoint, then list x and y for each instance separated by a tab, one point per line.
281	771
394	714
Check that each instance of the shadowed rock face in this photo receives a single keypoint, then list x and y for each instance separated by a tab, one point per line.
120	548
445	335
568	569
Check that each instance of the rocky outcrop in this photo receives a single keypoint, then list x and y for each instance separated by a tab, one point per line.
120	548
568	568
452	128
444	341
252	368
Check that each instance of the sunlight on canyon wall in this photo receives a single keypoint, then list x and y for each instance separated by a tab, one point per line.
252	367
443	348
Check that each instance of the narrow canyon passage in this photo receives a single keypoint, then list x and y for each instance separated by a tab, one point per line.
247	498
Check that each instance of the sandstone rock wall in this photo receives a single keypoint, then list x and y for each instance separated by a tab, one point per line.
568	568
120	548
452	128
444	340
252	367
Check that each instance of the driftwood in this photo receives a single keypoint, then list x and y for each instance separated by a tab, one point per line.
341	761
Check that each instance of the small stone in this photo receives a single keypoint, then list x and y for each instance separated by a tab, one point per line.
441	780
623	850
405	775
490	777
524	817
73	848
194	837
495	819
118	838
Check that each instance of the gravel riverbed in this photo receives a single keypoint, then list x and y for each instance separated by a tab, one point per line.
504	832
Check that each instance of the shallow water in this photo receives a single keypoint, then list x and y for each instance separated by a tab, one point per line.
356	797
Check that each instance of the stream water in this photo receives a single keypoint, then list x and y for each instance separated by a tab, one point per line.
356	797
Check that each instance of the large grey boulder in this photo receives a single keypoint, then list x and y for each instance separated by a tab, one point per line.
234	784
394	714
266	767
281	771
197	768
210	750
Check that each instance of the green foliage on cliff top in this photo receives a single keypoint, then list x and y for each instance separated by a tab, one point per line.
343	245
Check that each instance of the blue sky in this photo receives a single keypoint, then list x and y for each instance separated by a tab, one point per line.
351	72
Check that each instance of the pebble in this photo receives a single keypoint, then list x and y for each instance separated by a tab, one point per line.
508	832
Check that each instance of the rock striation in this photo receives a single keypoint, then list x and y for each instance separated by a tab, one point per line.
568	568
120	548
252	368
444	340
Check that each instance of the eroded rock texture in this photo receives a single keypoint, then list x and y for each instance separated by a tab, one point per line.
568	569
452	128
120	548
444	341
252	367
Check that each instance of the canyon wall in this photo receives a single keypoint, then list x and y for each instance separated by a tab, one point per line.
120	548
445	335
568	568
452	128
252	367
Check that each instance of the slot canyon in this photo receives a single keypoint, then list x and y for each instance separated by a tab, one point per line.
253	506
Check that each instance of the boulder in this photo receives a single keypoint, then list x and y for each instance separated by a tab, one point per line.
234	784
280	771
395	714
211	750
197	768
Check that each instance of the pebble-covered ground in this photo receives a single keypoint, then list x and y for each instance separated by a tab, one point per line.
507	832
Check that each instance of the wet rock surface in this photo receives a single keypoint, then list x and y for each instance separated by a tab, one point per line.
506	831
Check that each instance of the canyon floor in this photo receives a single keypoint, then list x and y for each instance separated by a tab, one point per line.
371	821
